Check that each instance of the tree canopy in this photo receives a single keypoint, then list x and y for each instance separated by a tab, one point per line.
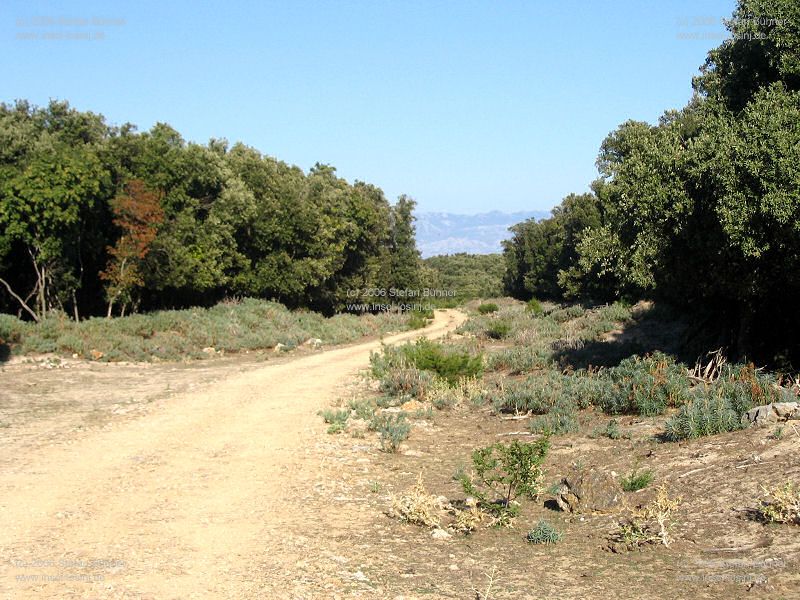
701	209
96	217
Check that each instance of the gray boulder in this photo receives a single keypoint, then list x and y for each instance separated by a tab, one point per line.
589	490
771	413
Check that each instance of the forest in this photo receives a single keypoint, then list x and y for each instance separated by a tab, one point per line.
102	220
701	210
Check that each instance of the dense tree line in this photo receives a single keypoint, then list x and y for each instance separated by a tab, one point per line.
701	209
102	219
465	275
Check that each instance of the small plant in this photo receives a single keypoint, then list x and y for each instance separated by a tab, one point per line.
504	472
646	386
488	307
778	433
337	419
374	487
534	307
637	480
544	533
424	413
612	430
405	381
469	519
419	318
782	505
460	472
392	429
363	409
441	395
651	524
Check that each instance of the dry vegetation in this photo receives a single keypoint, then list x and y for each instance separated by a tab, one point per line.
700	506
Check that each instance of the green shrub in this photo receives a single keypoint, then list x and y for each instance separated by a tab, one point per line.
390	357
489	307
449	364
337	419
534	307
405	382
417	321
363	409
393	429
544	533
520	359
562	418
646	386
636	480
708	414
617	312
231	326
568	313
612	430
537	394
575	311
12	329
498	330
505	472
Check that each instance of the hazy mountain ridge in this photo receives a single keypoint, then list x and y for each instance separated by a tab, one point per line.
450	233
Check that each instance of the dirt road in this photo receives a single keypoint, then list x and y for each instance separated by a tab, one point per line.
202	498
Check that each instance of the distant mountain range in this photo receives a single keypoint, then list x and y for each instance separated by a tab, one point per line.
448	233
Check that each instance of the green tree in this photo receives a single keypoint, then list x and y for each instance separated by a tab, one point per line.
403	256
43	207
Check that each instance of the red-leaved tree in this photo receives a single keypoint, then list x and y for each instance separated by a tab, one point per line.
137	213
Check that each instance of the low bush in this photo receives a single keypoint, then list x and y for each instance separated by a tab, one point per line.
534	307
498	330
612	430
544	533
407	381
520	359
488	307
231	326
393	429
636	480
417	506
707	414
650	524
782	504
562	418
538	394
646	386
449	364
337	419
363	409
504	472
442	395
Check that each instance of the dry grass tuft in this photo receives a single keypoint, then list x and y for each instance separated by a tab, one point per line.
417	506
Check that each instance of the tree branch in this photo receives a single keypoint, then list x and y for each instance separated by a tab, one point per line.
21	301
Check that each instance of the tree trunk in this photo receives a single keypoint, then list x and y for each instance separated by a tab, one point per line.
75	307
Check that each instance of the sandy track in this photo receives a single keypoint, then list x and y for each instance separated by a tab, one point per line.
191	501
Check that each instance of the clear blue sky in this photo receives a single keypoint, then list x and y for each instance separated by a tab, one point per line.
466	106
